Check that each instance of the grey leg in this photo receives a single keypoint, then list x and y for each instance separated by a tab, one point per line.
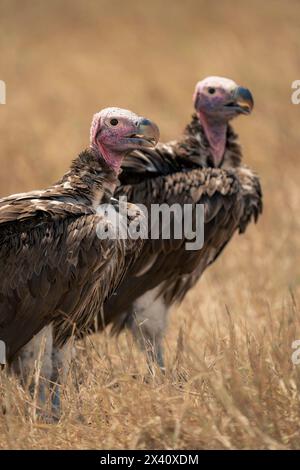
61	362
148	325
36	355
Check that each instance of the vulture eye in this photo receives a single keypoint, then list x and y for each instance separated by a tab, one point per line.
114	122
211	90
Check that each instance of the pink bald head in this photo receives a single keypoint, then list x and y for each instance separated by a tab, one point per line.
115	132
222	98
217	100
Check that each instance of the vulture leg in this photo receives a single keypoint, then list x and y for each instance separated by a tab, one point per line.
61	362
33	364
148	324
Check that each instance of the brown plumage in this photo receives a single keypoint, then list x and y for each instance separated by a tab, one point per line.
232	198
44	239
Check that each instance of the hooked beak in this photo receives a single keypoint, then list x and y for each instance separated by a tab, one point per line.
243	99
146	135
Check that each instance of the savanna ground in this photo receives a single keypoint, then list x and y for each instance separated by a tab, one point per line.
230	382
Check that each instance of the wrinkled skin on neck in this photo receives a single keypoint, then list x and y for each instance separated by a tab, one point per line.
112	157
215	131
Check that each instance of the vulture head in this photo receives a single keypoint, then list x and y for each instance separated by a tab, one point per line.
217	100
116	132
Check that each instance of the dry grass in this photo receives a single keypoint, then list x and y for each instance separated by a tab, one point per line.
231	383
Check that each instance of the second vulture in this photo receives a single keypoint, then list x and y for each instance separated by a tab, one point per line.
203	167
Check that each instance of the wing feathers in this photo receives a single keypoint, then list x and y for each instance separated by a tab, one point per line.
51	265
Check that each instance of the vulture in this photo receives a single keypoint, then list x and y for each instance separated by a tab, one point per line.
57	264
204	167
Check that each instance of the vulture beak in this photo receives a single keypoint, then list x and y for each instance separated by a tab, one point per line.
147	133
243	99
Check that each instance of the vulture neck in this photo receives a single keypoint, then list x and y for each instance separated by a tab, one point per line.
198	148
90	178
215	131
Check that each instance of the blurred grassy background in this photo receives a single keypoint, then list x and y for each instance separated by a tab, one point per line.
64	60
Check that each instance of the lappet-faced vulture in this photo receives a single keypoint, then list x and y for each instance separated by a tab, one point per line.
204	166
55	261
